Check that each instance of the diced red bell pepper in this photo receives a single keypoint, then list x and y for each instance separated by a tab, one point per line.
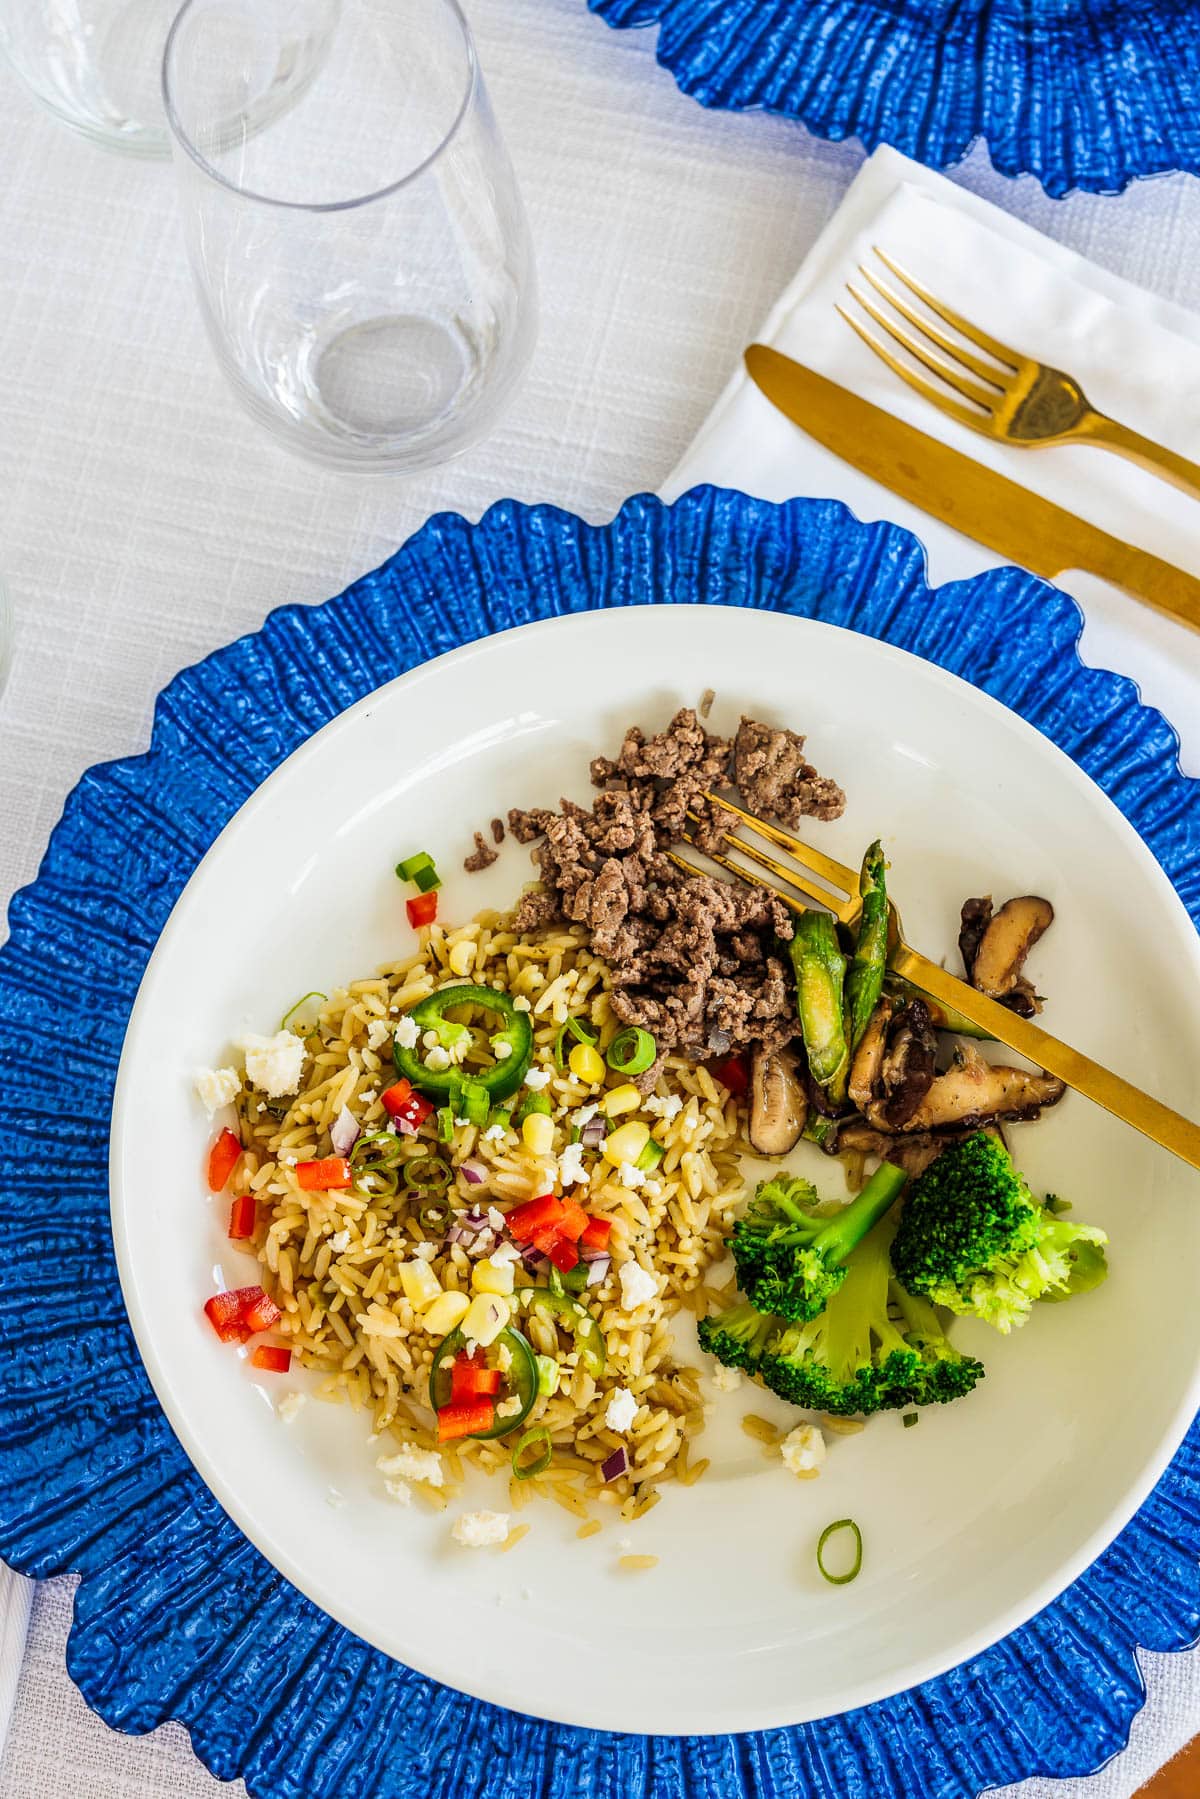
243	1216
471	1378
465	1418
734	1073
328	1174
563	1254
536	1215
222	1160
574	1221
404	1105
224	1313
259	1313
597	1233
422	910
271	1359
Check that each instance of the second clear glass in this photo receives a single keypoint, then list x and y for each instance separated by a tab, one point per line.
362	258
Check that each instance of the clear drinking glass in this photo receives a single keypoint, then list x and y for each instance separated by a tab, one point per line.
96	64
363	260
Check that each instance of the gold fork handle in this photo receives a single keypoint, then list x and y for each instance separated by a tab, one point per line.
1121	1098
1097	428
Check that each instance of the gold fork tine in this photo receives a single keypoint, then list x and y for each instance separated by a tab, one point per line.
937	396
835	874
955	378
844	910
972	333
987	371
744	875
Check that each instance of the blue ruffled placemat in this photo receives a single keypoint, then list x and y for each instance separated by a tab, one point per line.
178	1616
1081	93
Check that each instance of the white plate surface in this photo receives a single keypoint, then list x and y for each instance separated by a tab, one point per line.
973	1520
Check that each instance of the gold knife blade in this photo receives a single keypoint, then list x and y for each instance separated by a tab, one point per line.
1007	518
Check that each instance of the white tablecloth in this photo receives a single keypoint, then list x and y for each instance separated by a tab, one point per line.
145	521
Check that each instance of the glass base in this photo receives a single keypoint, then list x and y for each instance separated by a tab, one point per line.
390	377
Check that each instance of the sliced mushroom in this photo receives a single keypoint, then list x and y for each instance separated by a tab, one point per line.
994	948
908	1064
973	1091
778	1107
868	1057
913	1151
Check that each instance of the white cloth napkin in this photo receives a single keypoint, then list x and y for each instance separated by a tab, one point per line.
1136	356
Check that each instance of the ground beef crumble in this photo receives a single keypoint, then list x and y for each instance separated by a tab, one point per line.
481	857
694	959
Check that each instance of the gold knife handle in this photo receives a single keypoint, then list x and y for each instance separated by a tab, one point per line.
1160	584
1098	428
1121	1098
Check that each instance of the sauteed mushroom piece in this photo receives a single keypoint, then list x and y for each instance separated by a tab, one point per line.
972	1091
778	1107
994	948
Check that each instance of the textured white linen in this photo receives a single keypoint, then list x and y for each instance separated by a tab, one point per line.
144	521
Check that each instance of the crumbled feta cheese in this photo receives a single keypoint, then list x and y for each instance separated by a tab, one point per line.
495	1218
506	1252
652	1189
508	1407
726	1380
571	1170
429	1040
665	1108
636	1286
494	1134
409	1463
438	1059
425	1252
369	1097
501	1050
462	1123
398	1490
803	1449
503	1357
477	1530
584	1115
621	1410
630	1177
537	1078
274	1063
521	1004
407	1033
340	1242
378	1032
290	1405
217	1087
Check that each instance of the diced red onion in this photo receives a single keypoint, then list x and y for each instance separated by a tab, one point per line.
598	1269
474	1220
456	1234
588	1252
616	1465
345	1133
593	1133
472	1171
534	1260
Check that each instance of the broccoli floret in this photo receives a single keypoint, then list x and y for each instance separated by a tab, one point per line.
972	1237
737	1337
791	1252
873	1349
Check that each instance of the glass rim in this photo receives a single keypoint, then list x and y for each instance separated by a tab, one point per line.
184	140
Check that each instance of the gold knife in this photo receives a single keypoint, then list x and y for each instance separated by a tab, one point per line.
1020	525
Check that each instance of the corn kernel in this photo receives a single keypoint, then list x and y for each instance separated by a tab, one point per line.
462	957
586	1064
621	1099
626	1143
492	1277
485	1318
537	1133
421	1285
447	1311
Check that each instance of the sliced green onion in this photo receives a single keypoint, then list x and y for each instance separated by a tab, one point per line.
523	1470
554	1282
382	1144
547	1376
574	1027
386	1180
502	1116
433	1214
445	1124
426	879
412	866
427	1174
474	1102
532	1102
375	1157
841	1580
632	1051
909	1419
651	1156
285	1022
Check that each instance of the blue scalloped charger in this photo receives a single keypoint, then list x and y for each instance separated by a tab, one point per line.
1080	93
177	1615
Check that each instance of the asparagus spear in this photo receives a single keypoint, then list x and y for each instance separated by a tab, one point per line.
944	1018
864	983
820	970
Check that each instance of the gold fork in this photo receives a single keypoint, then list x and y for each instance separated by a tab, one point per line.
1010	397
836	888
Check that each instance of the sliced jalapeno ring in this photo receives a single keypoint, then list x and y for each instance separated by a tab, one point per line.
521	1376
502	1078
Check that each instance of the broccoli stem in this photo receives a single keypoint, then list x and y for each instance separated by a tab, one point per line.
864	983
820	970
846	1230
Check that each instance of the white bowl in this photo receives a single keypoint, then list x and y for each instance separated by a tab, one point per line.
972	1521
